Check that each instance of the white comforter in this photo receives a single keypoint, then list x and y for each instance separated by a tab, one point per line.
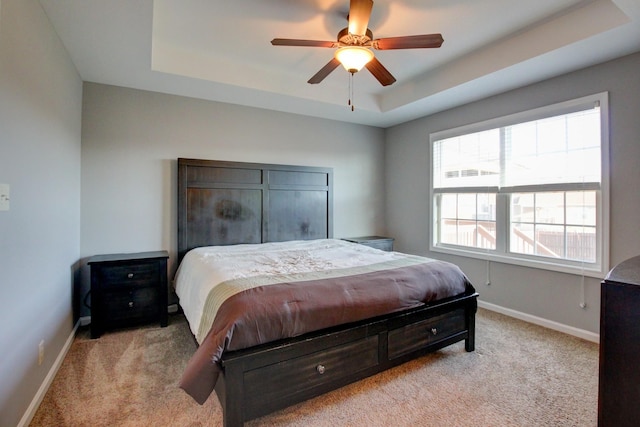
204	268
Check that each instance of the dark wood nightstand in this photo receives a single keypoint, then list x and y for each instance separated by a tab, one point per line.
378	242
128	289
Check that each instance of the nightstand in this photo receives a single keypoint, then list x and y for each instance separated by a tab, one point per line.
378	242
128	289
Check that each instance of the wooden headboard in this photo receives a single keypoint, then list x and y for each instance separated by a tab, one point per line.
227	203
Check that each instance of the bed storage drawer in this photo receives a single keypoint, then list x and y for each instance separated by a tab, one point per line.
297	378
415	336
266	378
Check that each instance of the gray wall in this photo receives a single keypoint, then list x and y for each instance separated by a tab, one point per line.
131	140
40	128
548	295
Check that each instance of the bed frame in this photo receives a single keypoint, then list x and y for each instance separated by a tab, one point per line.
222	203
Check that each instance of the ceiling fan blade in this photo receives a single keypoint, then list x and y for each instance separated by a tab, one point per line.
409	42
359	14
380	72
324	71
304	43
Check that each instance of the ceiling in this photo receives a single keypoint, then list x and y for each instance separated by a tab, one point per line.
220	50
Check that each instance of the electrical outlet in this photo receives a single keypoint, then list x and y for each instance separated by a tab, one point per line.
40	352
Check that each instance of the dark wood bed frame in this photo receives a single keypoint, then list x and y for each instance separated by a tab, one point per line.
222	203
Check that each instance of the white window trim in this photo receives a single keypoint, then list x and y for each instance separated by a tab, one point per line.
561	265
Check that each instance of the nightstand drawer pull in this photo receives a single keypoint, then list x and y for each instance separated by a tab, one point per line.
321	369
130	276
434	331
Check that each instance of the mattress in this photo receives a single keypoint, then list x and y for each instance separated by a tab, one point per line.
236	297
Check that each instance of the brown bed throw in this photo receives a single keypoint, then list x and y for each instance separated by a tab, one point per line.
268	313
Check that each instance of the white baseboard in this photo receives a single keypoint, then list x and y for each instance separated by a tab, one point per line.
42	391
570	330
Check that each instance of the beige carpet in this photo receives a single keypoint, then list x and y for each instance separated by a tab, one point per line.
519	375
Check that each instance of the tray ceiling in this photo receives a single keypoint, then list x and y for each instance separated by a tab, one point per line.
220	50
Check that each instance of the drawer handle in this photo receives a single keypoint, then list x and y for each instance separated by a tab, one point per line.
321	369
130	304
434	331
130	276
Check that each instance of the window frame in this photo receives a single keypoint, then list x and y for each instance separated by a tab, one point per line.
502	252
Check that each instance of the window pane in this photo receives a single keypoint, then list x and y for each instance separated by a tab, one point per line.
550	240
522	239
562	149
581	244
538	224
523	140
543	240
486	207
467	233
549	208
448	231
581	208
522	207
486	237
471	160
582	131
552	135
448	205
467	206
468	219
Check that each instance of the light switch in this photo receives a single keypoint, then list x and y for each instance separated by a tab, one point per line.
4	197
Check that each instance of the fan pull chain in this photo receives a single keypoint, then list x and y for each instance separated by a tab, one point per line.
350	102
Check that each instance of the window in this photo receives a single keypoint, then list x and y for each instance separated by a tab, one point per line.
529	189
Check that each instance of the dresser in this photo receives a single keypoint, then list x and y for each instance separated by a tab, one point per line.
127	290
619	380
378	242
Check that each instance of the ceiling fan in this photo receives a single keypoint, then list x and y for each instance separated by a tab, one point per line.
354	45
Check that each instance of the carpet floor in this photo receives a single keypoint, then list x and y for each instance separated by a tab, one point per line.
519	375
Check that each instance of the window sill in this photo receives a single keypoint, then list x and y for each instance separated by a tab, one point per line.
575	268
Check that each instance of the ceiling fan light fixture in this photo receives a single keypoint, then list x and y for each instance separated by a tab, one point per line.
353	58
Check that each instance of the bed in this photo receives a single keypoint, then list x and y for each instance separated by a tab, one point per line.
291	313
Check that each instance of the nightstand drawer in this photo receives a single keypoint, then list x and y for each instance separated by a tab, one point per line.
383	244
377	242
142	274
137	304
